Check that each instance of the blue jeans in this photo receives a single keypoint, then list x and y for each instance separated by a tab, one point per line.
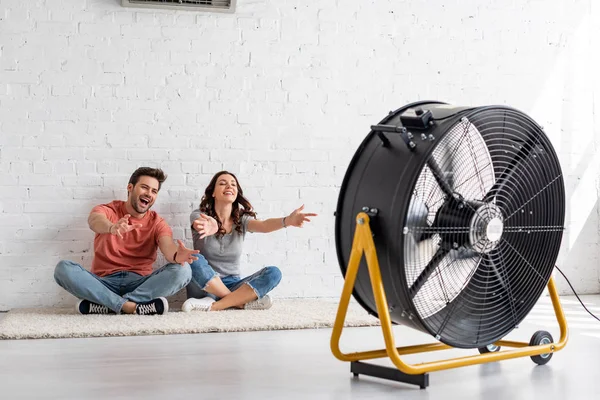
262	282
116	289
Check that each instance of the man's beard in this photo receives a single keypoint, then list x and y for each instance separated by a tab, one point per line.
135	205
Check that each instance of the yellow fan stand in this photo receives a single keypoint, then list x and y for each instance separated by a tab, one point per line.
417	374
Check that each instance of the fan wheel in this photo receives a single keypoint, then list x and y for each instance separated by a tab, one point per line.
490	348
541	337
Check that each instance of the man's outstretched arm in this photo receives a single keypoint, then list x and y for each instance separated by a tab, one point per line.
100	224
176	252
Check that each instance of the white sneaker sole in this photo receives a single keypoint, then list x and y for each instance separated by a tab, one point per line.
260	304
196	305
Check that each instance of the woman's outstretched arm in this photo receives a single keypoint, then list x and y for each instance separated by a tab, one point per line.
296	218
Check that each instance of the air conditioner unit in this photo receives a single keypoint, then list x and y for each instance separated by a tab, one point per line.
189	5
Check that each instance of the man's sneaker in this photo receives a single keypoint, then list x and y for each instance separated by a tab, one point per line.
157	306
87	307
202	304
259	304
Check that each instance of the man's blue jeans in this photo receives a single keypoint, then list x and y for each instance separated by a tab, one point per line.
262	282
116	289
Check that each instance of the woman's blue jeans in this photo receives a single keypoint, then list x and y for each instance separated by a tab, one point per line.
262	282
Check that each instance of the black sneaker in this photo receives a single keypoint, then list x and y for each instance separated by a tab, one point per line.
87	307
157	306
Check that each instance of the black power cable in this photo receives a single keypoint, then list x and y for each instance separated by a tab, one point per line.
576	295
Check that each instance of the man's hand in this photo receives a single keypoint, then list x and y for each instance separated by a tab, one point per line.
123	226
205	226
184	255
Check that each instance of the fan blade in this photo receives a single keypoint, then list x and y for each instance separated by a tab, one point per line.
438	174
514	168
419	243
416	217
495	268
420	248
462	160
427	271
464	253
452	273
426	249
417	213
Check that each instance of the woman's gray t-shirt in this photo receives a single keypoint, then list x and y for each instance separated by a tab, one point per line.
222	253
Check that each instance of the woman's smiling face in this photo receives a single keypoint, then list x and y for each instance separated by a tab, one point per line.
226	189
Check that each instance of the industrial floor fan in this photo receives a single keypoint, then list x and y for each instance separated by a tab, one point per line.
459	212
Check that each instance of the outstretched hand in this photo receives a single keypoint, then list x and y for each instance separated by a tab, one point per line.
205	225
184	255
297	217
123	226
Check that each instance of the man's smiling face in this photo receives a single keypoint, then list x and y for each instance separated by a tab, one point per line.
143	195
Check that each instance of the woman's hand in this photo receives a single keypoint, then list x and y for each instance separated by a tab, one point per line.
205	225
297	217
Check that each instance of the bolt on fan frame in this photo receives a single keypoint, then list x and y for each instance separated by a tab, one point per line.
410	373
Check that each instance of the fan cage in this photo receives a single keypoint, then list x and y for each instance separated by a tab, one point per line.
483	226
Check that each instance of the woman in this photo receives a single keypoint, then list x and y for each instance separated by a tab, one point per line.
218	228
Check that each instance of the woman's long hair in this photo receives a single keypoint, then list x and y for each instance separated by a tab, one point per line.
241	206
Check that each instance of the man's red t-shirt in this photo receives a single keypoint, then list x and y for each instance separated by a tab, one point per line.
136	252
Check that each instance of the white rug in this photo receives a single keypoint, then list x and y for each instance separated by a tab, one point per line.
285	314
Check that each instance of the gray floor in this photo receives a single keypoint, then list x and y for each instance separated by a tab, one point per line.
289	364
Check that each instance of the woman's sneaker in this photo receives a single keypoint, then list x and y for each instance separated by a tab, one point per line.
202	304
259	304
86	307
157	306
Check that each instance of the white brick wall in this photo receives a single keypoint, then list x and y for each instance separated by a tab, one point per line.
281	93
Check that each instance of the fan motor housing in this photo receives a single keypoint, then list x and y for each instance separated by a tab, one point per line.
470	218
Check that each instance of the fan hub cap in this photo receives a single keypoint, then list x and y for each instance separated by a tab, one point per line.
494	229
487	226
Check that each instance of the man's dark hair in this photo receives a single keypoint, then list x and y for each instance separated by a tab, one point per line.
147	171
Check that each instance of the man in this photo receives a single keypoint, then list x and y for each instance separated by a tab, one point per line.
127	237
